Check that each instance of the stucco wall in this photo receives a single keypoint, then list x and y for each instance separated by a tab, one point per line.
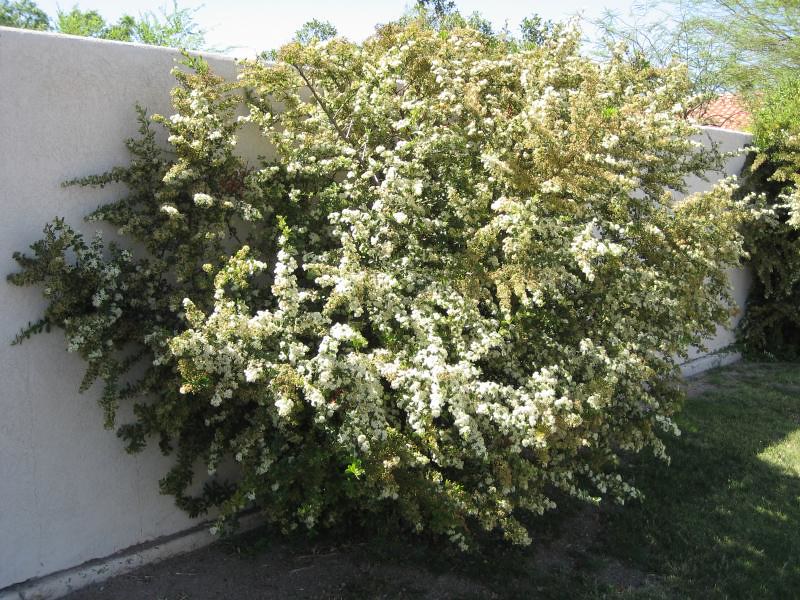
725	141
68	492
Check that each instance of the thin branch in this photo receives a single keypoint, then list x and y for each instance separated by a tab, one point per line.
331	117
322	104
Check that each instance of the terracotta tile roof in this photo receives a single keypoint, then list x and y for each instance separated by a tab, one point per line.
727	111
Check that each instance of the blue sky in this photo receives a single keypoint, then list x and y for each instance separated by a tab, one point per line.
248	26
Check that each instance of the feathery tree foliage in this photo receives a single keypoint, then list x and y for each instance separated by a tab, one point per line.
173	27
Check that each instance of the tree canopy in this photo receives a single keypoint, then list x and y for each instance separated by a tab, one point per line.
23	14
737	45
174	26
759	39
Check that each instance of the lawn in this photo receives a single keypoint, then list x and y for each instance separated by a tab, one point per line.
722	521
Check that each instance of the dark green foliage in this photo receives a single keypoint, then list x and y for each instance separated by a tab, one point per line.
117	309
772	322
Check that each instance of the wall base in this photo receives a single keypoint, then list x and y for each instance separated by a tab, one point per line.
98	570
709	361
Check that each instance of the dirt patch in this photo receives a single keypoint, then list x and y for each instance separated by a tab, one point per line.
282	571
304	570
575	539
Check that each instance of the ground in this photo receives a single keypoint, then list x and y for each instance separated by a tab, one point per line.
721	521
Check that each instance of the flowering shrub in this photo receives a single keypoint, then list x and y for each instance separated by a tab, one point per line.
772	322
456	287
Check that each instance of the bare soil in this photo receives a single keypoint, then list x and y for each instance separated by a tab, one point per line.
292	569
281	571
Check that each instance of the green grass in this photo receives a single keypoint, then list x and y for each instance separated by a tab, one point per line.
723	521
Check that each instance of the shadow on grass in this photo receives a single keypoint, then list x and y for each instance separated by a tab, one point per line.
724	519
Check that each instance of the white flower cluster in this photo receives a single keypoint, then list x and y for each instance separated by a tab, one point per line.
486	311
463	284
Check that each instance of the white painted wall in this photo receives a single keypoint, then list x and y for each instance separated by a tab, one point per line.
68	491
726	141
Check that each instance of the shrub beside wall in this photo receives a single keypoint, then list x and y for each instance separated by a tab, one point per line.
456	292
772	322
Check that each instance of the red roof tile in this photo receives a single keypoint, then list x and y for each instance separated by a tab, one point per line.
727	111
